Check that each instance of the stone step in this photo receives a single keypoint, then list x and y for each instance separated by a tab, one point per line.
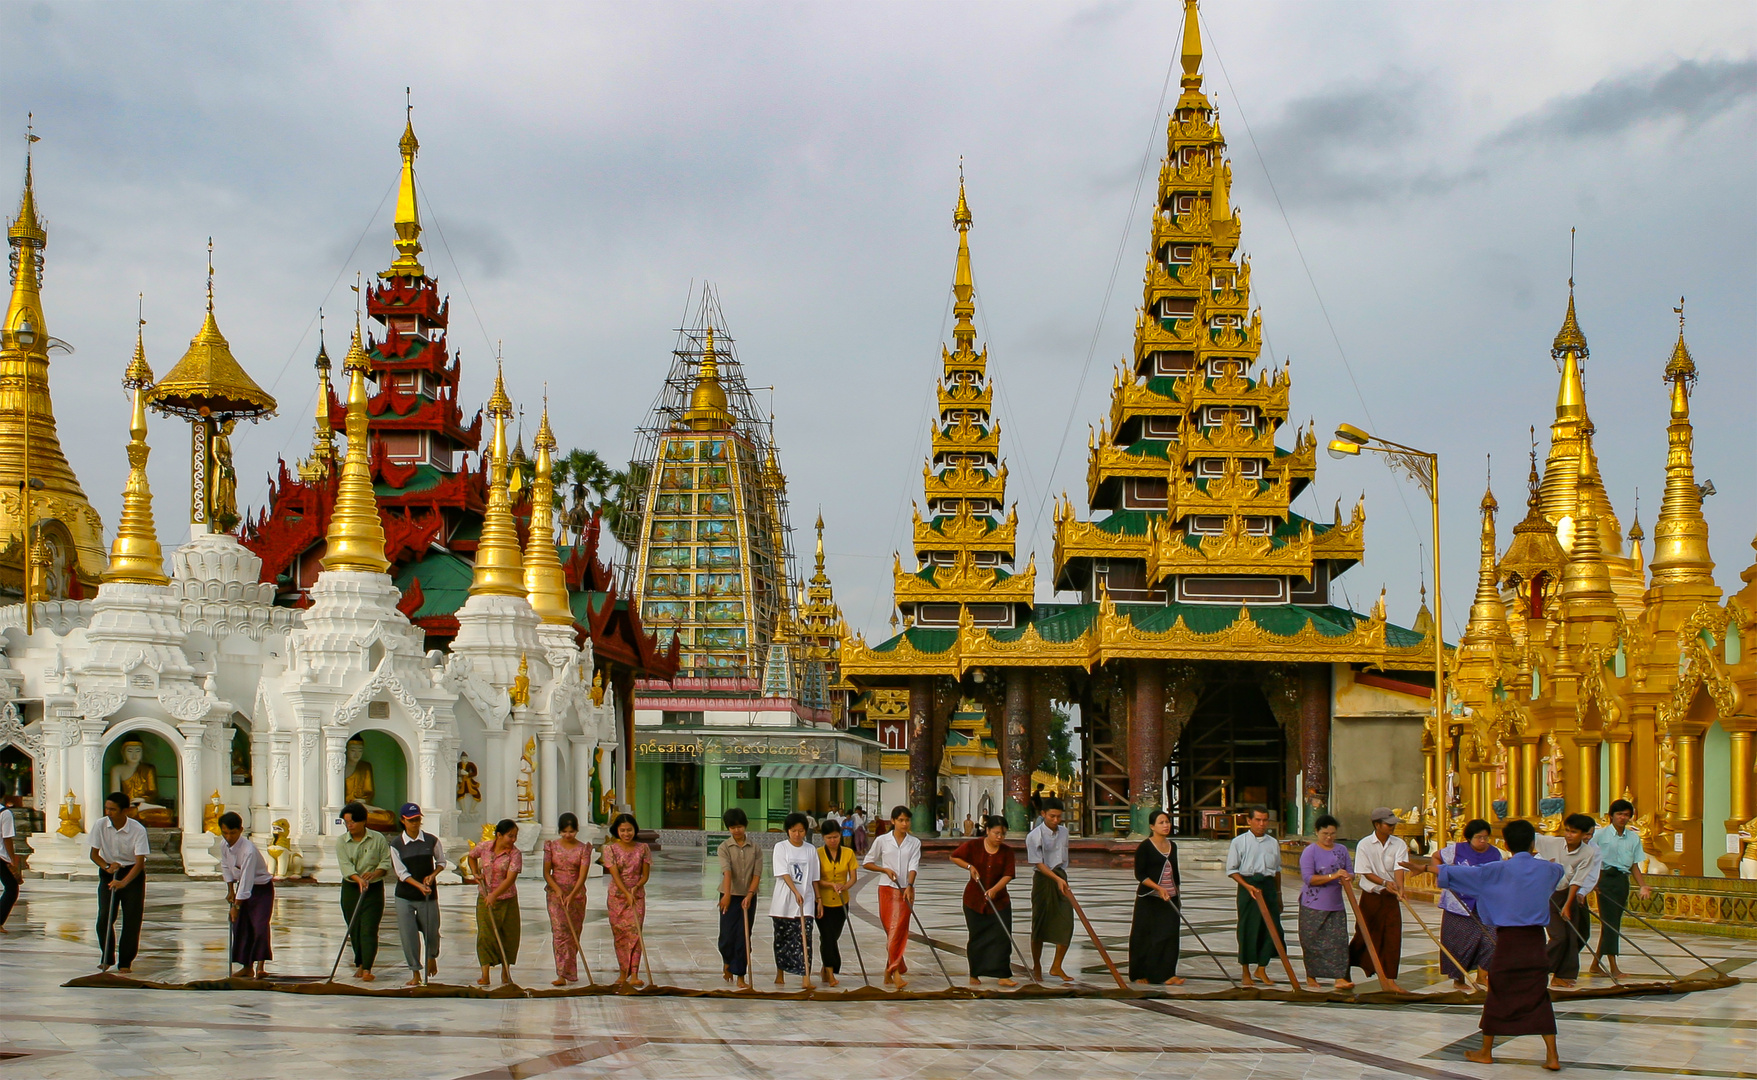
167	852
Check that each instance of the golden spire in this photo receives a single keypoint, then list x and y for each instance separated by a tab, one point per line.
356	532
820	547
1488	615
1192	52
707	403
500	570
545	584
1680	535
963	284
408	219
1586	581
1636	535
323	435
135	556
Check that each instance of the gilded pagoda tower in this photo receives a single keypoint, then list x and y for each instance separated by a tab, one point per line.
66	535
1202	644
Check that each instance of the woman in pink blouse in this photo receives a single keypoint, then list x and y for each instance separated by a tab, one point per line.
628	863
497	864
565	860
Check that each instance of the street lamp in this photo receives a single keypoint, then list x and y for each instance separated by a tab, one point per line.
1424	468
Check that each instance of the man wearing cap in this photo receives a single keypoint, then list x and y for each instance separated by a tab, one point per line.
416	857
1378	864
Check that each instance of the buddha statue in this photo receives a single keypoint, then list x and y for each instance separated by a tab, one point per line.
71	820
136	778
210	814
358	786
283	861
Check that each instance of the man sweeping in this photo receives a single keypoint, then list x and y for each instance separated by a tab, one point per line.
250	895
1621	855
1253	860
1378	863
1513	896
1568	914
1052	905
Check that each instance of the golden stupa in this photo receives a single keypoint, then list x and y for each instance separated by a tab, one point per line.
500	569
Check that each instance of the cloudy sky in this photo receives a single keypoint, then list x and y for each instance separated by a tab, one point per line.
1408	175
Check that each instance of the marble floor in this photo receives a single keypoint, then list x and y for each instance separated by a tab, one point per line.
51	1032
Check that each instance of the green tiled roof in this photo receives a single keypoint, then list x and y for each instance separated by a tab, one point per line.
445	583
1127	522
931	641
426	477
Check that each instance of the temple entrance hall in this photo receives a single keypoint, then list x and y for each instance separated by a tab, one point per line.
1230	754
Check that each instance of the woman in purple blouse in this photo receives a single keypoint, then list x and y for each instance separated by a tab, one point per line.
1323	922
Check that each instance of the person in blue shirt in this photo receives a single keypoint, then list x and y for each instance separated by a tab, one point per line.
1513	896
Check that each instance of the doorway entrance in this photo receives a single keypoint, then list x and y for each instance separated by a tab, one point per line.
682	796
1231	754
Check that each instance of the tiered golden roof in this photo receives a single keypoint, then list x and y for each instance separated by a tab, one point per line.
135	556
964	550
500	567
819	620
1680	536
545	584
1185	479
27	417
208	380
355	540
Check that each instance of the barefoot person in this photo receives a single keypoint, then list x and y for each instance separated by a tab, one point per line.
837	873
1323	912
1052	904
1568	915
628	863
794	904
741	875
417	857
895	856
1620	857
119	841
988	911
1378	863
1464	935
565	861
1253	860
1513	896
250	897
497	864
363	860
1154	934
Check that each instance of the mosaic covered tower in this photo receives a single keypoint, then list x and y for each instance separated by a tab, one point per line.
964	550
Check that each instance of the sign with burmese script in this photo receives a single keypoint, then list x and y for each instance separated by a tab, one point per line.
754	750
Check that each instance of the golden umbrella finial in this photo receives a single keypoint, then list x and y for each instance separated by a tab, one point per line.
356	532
499	564
545	584
135	556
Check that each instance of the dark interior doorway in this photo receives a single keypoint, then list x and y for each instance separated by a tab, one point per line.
1231	754
682	796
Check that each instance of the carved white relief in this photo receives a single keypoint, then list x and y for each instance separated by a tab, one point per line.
99	704
186	703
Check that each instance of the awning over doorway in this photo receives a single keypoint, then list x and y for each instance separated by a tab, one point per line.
823	770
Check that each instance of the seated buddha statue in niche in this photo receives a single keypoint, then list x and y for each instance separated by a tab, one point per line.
136	778
358	785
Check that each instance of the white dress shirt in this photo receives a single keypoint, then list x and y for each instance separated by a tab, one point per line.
7	831
901	859
1583	864
1047	846
118	847
242	863
1373	857
1253	856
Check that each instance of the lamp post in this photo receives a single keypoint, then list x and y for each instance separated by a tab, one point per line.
1423	467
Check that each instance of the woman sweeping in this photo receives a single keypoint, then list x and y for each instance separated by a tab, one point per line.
795	901
629	863
988	912
836	875
1323	918
1153	936
565	860
497	864
1461	932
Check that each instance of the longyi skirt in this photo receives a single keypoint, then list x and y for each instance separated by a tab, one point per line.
1519	995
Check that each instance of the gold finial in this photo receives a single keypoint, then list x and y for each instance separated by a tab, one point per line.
27	229
820	541
1192	52
545	584
961	215
1680	534
356	532
1587	580
963	283
323	436
708	409
135	556
1488	615
499	565
1569	338
408	217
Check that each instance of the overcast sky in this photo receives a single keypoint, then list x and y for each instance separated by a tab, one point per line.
586	164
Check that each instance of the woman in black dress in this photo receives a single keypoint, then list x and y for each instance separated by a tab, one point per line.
1153	938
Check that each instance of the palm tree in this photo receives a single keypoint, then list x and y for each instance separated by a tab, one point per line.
584	485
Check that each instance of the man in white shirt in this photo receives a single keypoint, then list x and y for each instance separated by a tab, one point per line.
896	856
1253	860
1378	865
1569	924
250	893
118	841
9	875
1052	904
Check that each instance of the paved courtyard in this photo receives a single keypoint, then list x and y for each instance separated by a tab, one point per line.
49	1031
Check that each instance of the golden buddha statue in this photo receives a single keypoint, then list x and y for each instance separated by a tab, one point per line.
136	778
71	820
358	786
210	814
520	691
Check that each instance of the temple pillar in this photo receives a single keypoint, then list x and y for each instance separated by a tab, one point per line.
494	788
1688	821
1582	781
585	748
1617	774
433	800
1314	738
1146	757
1742	792
1530	773
1015	768
280	786
335	784
548	781
923	761
92	771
